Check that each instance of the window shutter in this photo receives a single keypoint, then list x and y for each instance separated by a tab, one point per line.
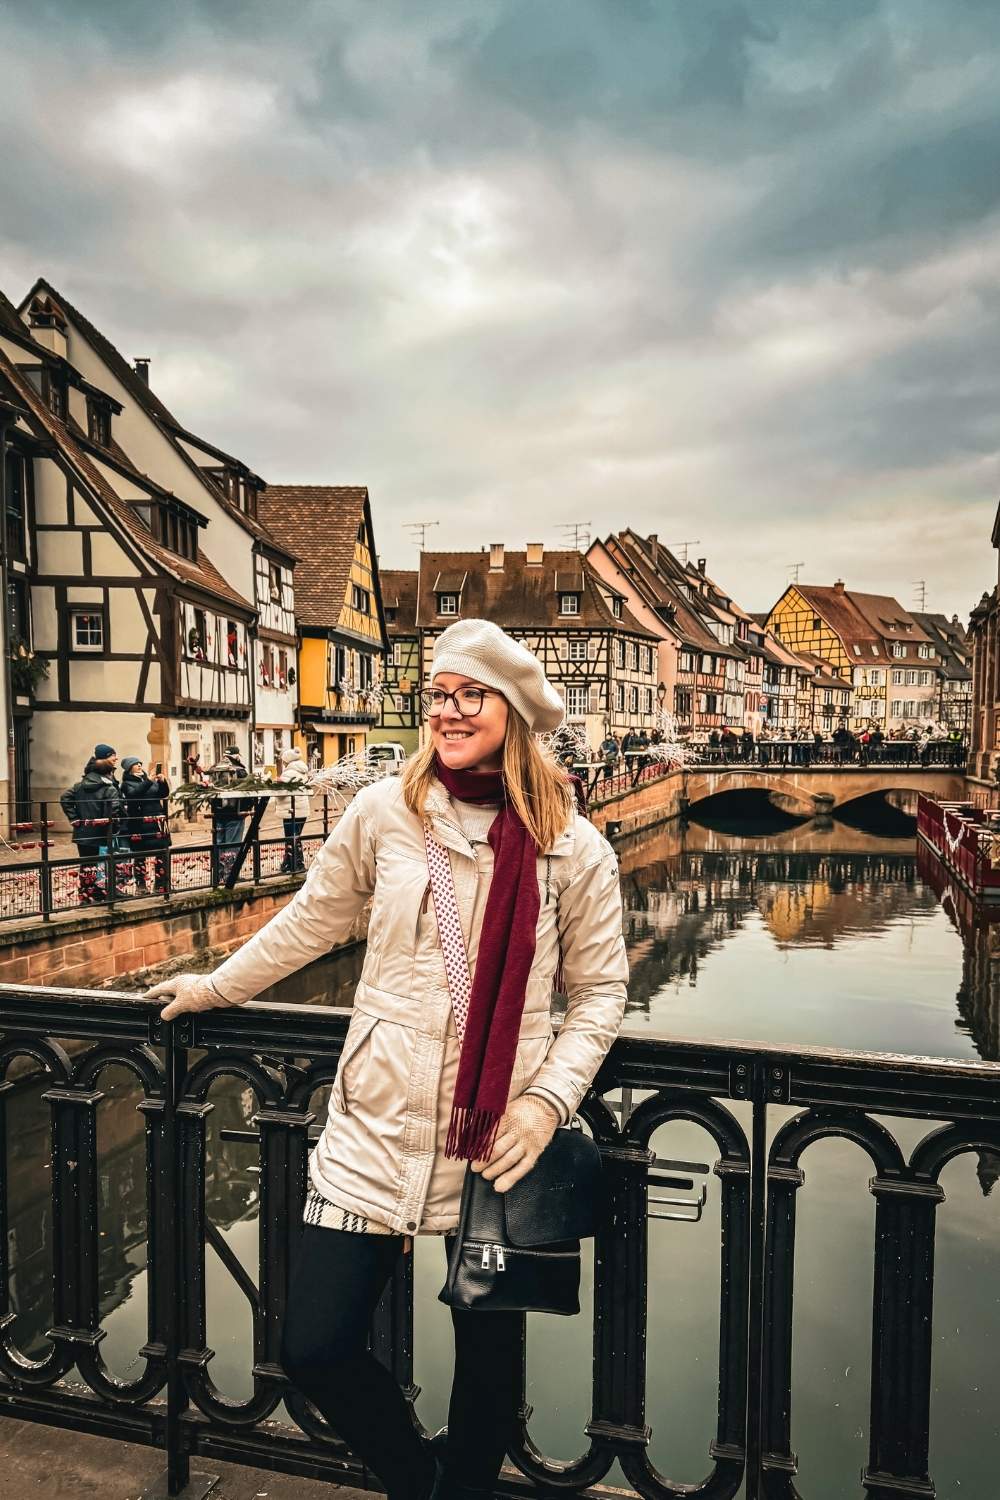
595	698
593	647
562	647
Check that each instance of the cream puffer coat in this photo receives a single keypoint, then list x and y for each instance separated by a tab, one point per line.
382	1150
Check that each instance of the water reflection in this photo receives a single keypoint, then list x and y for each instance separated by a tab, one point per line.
812	933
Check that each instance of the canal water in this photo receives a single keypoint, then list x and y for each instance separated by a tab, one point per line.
758	928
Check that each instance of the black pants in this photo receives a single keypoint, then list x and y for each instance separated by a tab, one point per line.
337	1281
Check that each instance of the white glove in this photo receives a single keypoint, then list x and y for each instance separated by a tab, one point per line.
187	992
523	1134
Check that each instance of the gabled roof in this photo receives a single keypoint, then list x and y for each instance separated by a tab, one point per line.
948	637
399	592
146	398
201	573
838	609
661	583
520	596
320	522
13	327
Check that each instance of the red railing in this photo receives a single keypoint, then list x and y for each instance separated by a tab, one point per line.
960	835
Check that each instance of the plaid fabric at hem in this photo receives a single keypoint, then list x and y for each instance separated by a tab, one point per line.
323	1214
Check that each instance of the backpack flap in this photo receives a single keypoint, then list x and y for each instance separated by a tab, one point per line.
561	1198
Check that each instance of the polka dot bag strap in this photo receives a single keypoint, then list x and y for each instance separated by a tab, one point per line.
456	959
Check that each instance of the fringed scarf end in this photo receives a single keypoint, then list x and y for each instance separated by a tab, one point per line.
471	1133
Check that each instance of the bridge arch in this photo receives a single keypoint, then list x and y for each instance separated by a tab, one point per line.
804	791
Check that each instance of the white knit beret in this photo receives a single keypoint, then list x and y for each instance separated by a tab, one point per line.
481	650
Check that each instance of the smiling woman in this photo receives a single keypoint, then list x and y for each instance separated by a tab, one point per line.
436	1077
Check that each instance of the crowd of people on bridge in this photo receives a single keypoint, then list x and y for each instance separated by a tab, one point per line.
130	814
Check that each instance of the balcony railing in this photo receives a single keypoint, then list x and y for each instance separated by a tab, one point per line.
760	1106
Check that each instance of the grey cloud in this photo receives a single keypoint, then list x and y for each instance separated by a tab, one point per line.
605	260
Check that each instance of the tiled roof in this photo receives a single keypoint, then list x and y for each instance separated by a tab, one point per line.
820	671
399	592
10	323
320	523
520	597
949	642
661	585
143	395
838	609
203	573
888	617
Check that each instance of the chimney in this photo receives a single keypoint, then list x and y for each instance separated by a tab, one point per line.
654	547
141	368
701	564
838	587
496	557
535	554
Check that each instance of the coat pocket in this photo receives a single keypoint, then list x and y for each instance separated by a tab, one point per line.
358	1034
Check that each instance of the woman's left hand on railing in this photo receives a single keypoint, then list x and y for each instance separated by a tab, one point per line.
187	992
525	1130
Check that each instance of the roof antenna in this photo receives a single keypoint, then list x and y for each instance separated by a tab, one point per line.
795	569
579	539
423	527
695	542
920	585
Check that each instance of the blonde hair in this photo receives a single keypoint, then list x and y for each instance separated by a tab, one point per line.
536	786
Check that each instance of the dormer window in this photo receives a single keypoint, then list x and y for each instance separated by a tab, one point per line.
447	604
173	526
390	614
616	608
569	604
55	393
99	422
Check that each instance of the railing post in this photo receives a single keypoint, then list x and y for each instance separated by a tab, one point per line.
45	873
171	1272
620	1300
898	1452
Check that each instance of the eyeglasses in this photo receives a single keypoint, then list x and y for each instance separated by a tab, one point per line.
468	701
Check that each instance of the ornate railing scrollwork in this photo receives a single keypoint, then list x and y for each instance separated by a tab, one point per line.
282	1057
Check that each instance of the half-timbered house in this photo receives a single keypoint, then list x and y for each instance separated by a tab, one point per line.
871	639
140	640
341	627
115	399
593	649
705	650
400	710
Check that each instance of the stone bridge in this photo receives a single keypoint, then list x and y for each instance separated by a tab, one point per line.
808	790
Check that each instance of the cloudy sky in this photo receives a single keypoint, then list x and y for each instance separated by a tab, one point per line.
727	270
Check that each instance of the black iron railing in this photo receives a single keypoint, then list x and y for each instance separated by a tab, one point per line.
761	1106
121	867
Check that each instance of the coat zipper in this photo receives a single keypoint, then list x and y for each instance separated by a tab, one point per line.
500	1253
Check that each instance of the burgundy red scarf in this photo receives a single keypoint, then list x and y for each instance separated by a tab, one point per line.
506	953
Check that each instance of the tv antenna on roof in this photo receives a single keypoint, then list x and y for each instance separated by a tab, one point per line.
579	539
920	585
423	527
694	542
795	569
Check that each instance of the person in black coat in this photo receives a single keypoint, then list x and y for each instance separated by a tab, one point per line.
146	828
94	808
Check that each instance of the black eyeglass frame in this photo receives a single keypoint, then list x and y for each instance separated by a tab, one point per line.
484	693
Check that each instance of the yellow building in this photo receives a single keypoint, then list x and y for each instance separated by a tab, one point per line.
339	615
